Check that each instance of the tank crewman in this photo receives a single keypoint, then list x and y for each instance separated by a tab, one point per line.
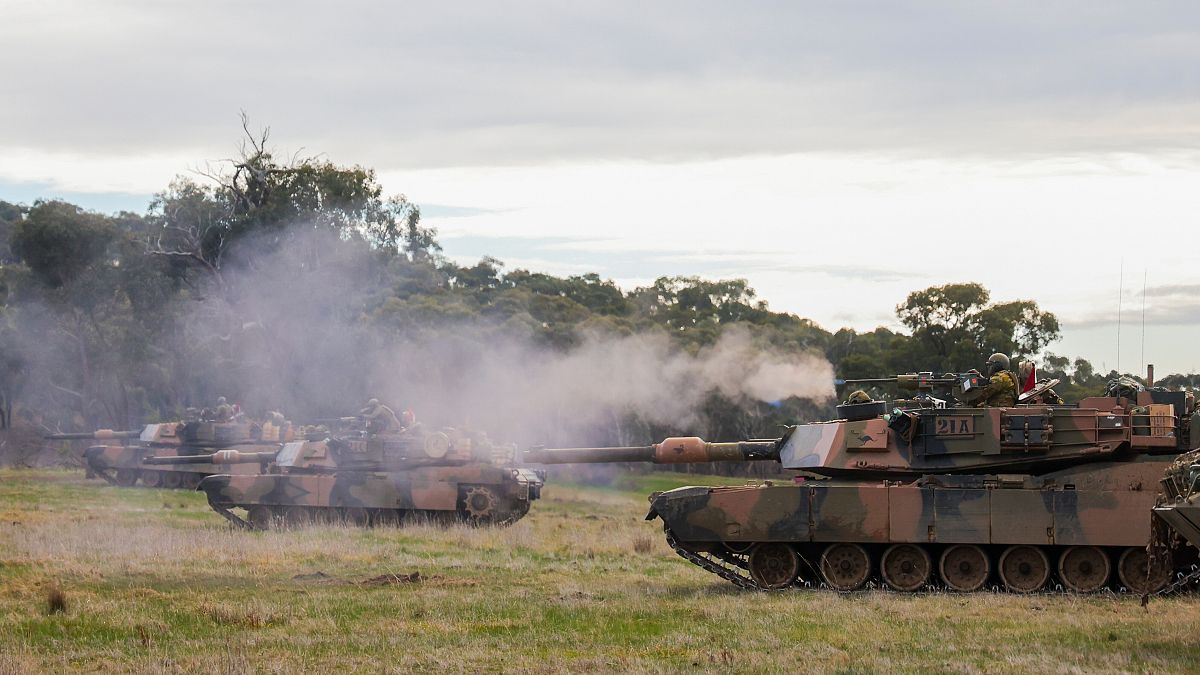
1002	387
408	418
380	418
223	412
857	396
272	427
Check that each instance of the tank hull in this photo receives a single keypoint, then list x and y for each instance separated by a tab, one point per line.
478	494
1079	527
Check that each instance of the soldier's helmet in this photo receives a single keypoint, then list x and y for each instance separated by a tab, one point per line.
221	400
858	396
996	363
373	403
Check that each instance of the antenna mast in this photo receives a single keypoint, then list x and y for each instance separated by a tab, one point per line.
1120	293
1144	319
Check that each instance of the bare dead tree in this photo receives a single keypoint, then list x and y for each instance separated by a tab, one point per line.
245	182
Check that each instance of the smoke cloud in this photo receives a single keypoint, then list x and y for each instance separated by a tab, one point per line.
313	324
321	338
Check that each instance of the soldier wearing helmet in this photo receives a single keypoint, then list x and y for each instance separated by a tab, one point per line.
1002	387
223	412
858	396
380	418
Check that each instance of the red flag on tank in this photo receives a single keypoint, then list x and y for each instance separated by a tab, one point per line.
1031	380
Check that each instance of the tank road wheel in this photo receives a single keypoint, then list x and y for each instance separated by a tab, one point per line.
385	518
774	566
1024	569
260	517
296	517
191	479
126	477
1139	575
172	479
151	479
846	567
324	515
1083	569
356	517
480	504
964	567
905	567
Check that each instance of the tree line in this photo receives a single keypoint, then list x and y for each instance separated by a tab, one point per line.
117	320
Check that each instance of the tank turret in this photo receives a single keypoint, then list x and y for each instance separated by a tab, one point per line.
366	478
125	463
934	492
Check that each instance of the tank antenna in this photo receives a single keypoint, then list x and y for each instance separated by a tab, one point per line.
1144	272
1120	292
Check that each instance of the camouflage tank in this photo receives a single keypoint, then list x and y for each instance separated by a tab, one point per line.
931	492
121	460
363	479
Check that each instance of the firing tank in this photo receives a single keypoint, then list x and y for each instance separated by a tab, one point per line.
364	478
121	458
936	493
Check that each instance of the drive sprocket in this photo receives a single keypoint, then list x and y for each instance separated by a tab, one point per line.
480	504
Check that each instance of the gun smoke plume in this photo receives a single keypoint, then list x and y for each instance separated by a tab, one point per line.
316	325
324	340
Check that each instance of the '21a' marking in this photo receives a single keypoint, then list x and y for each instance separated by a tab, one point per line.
954	425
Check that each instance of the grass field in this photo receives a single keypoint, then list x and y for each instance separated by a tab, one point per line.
154	581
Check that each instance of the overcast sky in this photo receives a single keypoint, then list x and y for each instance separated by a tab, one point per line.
838	155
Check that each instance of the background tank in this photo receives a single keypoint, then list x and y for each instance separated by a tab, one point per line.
937	493
121	459
372	479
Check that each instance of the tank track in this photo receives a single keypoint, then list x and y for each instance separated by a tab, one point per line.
734	569
726	566
232	517
187	479
338	514
1181	584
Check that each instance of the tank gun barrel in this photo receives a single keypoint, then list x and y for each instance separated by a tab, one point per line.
219	457
680	450
640	453
912	381
100	434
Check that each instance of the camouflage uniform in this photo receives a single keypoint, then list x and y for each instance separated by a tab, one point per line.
380	418
223	411
1001	391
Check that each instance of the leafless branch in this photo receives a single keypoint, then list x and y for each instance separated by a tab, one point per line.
72	392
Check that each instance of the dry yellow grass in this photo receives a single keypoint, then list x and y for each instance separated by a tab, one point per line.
155	582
